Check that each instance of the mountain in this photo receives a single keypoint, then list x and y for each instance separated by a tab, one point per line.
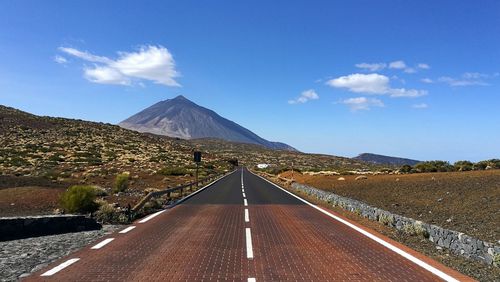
179	117
381	159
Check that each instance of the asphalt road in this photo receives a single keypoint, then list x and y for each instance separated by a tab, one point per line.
243	228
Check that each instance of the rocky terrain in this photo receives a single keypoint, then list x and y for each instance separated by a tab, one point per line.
47	155
19	258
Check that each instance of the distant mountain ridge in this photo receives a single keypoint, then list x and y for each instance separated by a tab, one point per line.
381	159
180	117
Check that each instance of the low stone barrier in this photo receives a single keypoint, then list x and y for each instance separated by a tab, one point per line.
458	243
12	228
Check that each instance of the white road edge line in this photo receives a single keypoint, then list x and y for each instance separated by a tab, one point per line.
102	244
247	216
245	203
60	267
249	243
151	216
244	196
391	247
252	280
127	229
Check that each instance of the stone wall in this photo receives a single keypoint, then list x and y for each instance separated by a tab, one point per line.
458	243
12	228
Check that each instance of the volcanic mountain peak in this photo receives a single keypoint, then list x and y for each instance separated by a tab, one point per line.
182	118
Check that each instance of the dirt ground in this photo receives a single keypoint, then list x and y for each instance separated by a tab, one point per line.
30	200
468	202
23	196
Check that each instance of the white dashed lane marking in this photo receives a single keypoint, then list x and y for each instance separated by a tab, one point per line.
248	234
127	229
102	244
245	203
60	267
247	216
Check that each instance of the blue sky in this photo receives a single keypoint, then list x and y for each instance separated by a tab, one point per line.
414	79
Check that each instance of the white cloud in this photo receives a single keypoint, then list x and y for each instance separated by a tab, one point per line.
362	103
371	67
423	66
462	81
372	84
305	96
410	70
153	63
60	59
420	106
85	55
399	65
427	80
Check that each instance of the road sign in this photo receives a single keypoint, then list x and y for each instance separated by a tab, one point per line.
197	156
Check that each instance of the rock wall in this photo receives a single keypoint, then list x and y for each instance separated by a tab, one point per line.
458	243
12	228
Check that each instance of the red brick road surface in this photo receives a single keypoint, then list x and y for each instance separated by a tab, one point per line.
204	239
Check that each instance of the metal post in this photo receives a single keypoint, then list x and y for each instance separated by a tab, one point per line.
197	175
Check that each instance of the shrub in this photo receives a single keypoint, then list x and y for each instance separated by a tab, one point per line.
434	166
173	171
386	219
79	199
463	165
121	182
405	169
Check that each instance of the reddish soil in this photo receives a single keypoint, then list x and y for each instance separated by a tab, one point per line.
29	200
468	202
22	196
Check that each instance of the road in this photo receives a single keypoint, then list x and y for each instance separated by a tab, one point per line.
243	228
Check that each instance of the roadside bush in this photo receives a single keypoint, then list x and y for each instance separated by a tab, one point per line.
121	182
79	199
463	165
108	213
173	171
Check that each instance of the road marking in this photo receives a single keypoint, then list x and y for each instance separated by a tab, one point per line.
243	190
151	216
249	243
244	196
247	216
252	280
127	229
60	267
388	245
102	244
245	203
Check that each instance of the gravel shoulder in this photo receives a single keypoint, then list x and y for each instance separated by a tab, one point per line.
19	258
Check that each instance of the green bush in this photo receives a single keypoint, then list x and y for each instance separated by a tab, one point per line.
79	199
463	165
121	182
434	166
405	169
173	171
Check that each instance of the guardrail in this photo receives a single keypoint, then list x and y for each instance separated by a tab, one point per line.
182	188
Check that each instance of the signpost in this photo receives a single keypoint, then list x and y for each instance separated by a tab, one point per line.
197	160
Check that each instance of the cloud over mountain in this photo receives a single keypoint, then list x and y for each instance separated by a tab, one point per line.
149	63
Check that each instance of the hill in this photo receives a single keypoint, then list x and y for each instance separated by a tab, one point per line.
179	117
64	150
385	160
